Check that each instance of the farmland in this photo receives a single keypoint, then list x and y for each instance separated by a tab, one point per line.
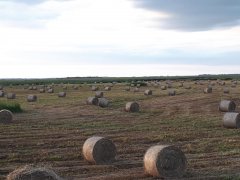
51	131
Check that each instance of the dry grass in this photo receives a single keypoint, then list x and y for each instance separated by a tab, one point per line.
53	130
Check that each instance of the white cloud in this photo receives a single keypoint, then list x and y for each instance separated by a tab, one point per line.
23	15
123	70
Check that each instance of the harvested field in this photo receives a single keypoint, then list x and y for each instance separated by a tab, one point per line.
53	130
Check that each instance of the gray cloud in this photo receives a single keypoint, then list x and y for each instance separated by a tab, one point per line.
195	15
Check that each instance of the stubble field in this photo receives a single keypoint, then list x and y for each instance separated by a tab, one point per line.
51	131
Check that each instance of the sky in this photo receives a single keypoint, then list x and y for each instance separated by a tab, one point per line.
70	38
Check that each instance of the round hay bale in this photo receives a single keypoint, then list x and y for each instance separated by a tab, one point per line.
127	89
148	92
212	83
233	85
50	90
99	150
42	90
108	88
62	94
207	90
34	88
11	96
75	87
226	91
210	86
164	161
29	172
132	107
136	89
64	87
94	88
99	94
138	85
231	120
31	98
227	106
49	87
180	85
171	92
2	93
163	87
103	102
222	83
30	88
6	116
92	100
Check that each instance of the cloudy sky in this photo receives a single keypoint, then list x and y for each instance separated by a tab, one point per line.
62	38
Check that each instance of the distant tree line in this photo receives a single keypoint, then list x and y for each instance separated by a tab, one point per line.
82	80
